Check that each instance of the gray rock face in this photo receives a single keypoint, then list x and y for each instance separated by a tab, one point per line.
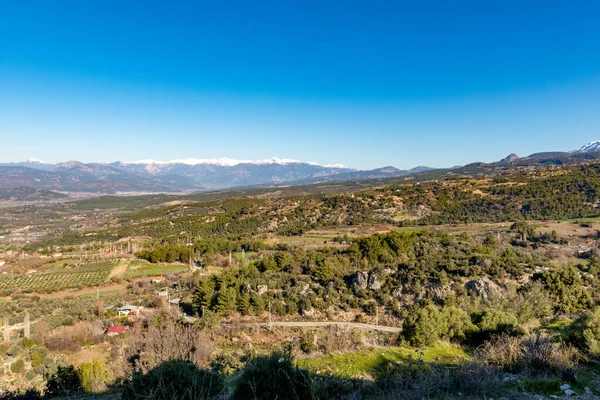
305	289
363	280
262	289
438	291
484	288
360	280
374	282
397	293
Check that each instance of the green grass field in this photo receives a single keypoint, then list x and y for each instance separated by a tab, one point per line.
411	229
583	220
373	362
141	269
248	255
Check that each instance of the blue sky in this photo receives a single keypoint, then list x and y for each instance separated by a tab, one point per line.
366	84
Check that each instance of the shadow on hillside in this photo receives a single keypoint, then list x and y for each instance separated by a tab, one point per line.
276	376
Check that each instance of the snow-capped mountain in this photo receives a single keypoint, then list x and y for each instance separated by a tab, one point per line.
154	166
588	148
164	176
229	162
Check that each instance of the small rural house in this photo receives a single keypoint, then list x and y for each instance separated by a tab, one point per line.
129	310
116	330
158	279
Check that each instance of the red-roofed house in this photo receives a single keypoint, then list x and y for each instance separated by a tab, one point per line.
158	279
116	330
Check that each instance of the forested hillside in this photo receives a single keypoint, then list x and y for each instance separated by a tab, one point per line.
484	287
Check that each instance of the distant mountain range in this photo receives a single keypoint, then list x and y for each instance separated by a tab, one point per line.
194	175
158	176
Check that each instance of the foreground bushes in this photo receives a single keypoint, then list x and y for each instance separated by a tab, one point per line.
537	354
273	377
175	379
591	333
439	381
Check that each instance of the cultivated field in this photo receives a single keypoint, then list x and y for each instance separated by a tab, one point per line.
59	278
141	269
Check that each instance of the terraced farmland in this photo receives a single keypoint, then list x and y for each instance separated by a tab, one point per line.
59	278
141	269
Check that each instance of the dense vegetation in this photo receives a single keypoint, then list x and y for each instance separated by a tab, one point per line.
564	194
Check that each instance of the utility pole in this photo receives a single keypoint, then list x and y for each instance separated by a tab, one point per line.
26	326
6	332
270	318
377	315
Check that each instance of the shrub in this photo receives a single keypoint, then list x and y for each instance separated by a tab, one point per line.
442	381
95	376
538	354
591	333
340	339
273	377
423	326
532	302
64	382
494	322
565	288
62	344
457	323
502	351
307	342
37	355
17	366
543	353
370	308
429	324
226	364
30	375
29	394
174	379
14	350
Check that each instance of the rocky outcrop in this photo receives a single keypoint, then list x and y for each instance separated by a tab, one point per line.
374	282
262	289
305	289
360	280
484	288
397	293
510	158
439	292
363	280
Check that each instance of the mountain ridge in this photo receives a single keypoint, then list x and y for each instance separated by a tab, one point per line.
198	174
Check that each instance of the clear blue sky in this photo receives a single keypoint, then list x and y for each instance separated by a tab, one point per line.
364	83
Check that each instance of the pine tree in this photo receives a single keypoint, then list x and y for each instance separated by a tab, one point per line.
226	301
258	305
243	303
204	296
